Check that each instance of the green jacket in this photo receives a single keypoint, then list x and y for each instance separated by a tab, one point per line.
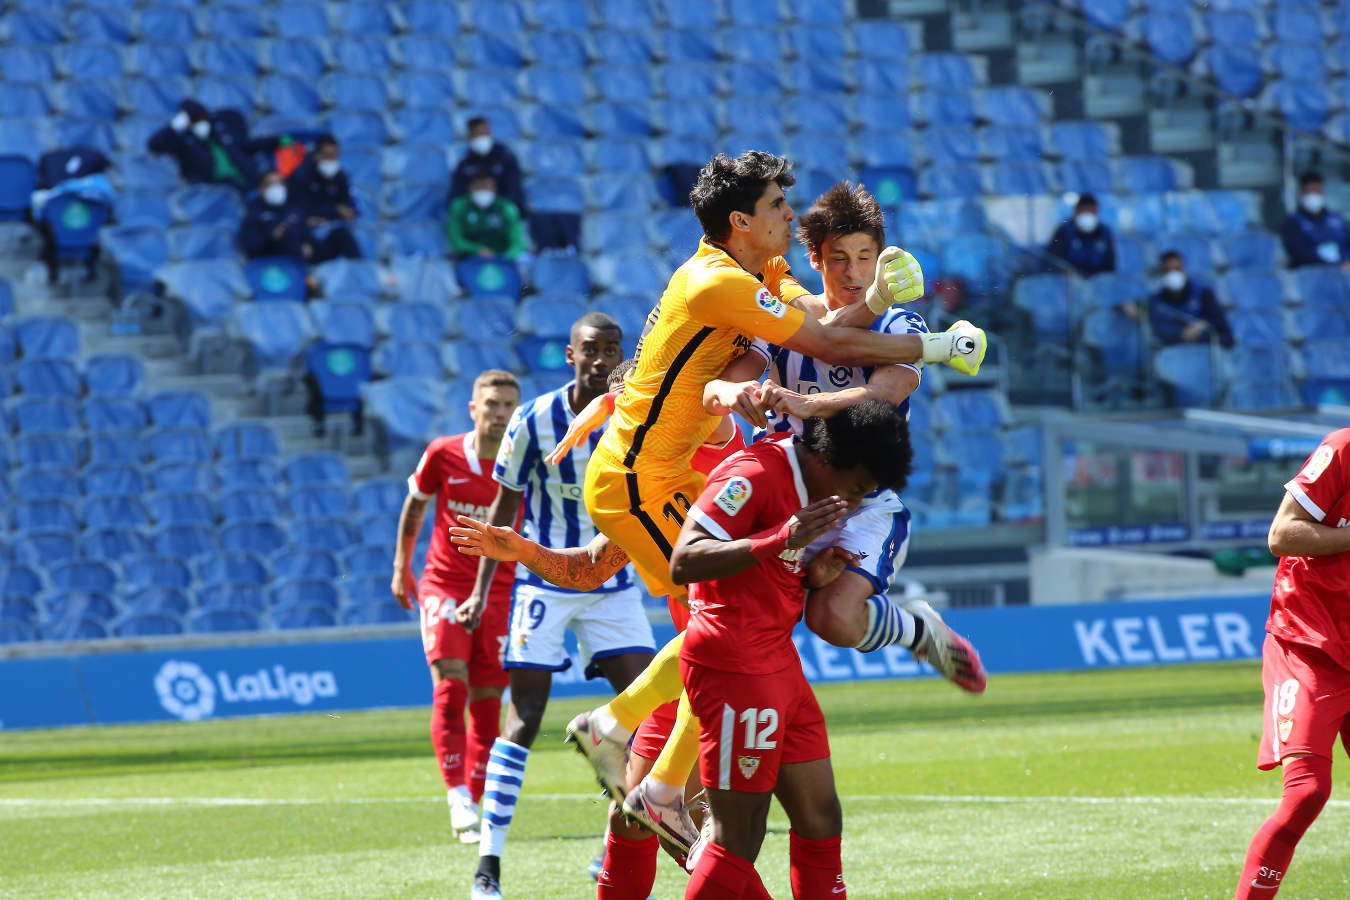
468	228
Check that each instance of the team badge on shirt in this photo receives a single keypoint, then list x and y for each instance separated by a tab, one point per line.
1286	725
733	495
770	304
1318	463
749	765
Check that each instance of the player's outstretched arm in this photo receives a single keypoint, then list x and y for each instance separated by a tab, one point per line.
891	384
962	346
502	512
589	419
1294	532
737	390
404	585
699	555
575	568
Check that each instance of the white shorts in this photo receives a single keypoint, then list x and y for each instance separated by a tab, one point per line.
879	527
606	625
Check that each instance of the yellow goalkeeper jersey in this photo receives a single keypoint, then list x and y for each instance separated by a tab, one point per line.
711	311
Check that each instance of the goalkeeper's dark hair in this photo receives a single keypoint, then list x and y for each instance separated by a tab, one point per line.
726	185
844	209
871	434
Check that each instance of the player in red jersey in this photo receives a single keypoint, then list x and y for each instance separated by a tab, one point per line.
1305	662
741	553
466	666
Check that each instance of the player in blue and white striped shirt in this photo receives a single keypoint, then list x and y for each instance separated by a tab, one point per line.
609	621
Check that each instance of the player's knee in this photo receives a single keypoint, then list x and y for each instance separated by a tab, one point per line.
823	819
833	621
457	669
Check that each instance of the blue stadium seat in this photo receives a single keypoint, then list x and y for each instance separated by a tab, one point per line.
316	469
423	164
361	563
304	616
114	448
825	79
180	477
972	408
1262	328
945	109
1187	370
83	576
48	378
615	232
1234	26
277	332
1253	290
431	17
631	47
245	505
1294	22
363	55
1146	174
155	572
149	623
891	185
556	159
1170	37
1086	141
246	570
18	178
86	100
201	242
1305	105
275	278
248	473
302	58
182	508
952	181
1011	144
350	91
290	95
44	484
146	208
75	223
1049	300
1020	178
358	127
1195	250
44	415
23	101
944	71
263	538
1297	62
424	238
370	19
113	544
676	230
629	311
465	358
179	409
549	315
18	609
246	441
1108	289
378	495
138	252
318	503
78	131
401	201
1322	286
415	321
233	59
1236	69
20	581
335	535
306	564
220	620
344	322
408	359
485	277
111	511
404	405
98	480
167	26
234	21
638	274
381	612
27	64
50	450
1014	106
179	445
349	279
185	541
303	20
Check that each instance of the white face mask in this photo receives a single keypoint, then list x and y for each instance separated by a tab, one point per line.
329	167
275	194
1174	280
180	121
482	199
1313	202
1086	222
481	145
202	129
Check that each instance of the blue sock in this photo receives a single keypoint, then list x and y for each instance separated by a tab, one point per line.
505	774
888	624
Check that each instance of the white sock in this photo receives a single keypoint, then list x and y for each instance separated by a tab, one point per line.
608	726
888	624
662	793
459	792
505	775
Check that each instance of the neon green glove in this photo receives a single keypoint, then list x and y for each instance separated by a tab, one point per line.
962	347
898	280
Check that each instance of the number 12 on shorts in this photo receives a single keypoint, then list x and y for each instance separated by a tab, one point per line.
760	725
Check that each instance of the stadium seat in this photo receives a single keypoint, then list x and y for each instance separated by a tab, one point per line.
1261	328
307	20
249	505
52	378
1084	141
179	445
367	560
381	612
155	572
27	64
316	469
245	569
1169	37
179	409
953	181
1253	248
344	322
248	473
246	441
44	548
1146	174
83	577
1253	290
408	359
363	55
113	544
54	450
181	508
309	564
44	484
1322	286
138	251
177	476
1306	106
277	332
115	448
404	405
18	178
1234	26
1023	178
148	623
218	620
97	480
143	208
263	538
1047	298
44	415
487	277
335	535
111	511
304	616
630	47
1236	69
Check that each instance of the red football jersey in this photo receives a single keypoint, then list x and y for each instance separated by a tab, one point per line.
461	481
1311	602
743	623
707	457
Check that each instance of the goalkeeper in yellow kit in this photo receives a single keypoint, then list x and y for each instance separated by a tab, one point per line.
736	287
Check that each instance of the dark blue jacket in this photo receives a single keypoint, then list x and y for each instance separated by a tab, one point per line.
501	162
1169	314
260	218
319	196
1303	234
1088	253
192	154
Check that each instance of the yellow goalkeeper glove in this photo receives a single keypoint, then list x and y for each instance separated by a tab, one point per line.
962	347
899	279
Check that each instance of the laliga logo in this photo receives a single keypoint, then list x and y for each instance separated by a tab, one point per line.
185	690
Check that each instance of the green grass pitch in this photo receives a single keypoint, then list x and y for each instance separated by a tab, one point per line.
1123	784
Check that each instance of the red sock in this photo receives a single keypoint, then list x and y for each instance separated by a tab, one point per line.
817	872
755	889
719	875
447	728
485	724
1307	785
629	871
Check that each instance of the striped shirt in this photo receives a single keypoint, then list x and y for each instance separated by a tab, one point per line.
805	375
555	515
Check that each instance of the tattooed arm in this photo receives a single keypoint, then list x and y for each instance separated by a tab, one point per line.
409	524
575	568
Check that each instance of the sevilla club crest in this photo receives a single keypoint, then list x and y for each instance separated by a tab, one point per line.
749	765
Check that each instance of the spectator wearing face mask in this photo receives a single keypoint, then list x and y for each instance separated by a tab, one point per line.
274	225
188	138
321	189
484	223
1184	312
486	152
1083	241
1314	235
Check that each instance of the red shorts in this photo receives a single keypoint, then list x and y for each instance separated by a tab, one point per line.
654	731
1307	702
749	725
483	648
